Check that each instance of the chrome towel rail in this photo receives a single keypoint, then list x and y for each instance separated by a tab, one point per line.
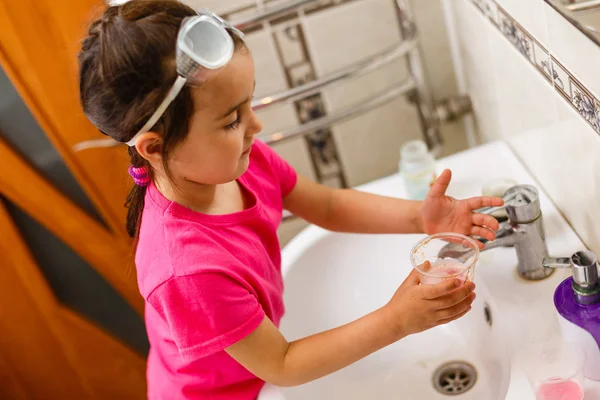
353	71
584	6
340	116
271	13
316	129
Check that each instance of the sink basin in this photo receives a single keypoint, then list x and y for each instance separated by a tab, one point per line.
332	279
341	278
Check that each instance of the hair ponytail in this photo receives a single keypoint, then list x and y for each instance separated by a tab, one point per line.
136	198
126	67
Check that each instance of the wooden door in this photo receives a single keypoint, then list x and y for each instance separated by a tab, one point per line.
47	349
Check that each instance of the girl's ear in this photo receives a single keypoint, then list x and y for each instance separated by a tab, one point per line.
149	146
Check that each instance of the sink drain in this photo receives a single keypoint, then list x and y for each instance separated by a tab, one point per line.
454	378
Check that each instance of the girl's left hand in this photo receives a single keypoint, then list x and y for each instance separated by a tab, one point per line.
442	213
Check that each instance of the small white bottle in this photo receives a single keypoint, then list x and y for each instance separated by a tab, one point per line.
417	169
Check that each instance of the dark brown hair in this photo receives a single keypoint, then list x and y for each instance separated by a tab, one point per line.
126	67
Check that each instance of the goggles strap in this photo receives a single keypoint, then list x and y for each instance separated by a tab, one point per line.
173	92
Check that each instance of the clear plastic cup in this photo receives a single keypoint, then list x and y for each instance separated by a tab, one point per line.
554	370
451	255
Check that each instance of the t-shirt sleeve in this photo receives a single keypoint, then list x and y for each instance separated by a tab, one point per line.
207	312
285	172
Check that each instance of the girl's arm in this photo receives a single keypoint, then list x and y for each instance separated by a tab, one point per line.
267	354
346	210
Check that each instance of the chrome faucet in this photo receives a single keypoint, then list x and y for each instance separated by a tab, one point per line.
524	230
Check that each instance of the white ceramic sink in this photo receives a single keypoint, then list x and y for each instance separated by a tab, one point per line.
343	277
332	279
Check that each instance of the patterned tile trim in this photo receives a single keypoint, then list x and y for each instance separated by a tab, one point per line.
571	89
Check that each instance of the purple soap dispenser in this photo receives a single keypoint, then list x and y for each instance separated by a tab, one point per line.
577	301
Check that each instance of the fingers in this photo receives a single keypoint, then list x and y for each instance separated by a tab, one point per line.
441	184
467	244
457	240
434	291
484	226
479	202
413	278
478	243
457	309
483	232
455	297
454	318
425	266
485	220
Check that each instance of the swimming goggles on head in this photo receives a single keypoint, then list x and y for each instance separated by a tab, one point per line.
204	47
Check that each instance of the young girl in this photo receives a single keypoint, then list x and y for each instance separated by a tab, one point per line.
176	85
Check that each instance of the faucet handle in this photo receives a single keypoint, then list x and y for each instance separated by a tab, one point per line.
557	262
584	267
522	204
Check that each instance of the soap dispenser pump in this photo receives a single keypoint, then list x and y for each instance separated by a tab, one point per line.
577	301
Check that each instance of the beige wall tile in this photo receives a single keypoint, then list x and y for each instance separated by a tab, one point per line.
364	87
433	36
476	53
290	44
293	151
454	138
525	97
530	14
370	144
332	35
220	6
575	50
270	77
278	117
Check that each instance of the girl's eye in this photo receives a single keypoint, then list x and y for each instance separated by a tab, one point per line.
234	125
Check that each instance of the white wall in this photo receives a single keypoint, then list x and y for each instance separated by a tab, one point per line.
515	99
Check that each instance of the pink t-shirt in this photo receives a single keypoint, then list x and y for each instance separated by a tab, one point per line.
209	281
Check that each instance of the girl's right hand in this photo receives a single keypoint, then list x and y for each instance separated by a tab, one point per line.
415	308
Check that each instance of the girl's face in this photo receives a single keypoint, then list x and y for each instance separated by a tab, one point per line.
222	128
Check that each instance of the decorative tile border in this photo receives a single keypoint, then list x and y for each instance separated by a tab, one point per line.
571	89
